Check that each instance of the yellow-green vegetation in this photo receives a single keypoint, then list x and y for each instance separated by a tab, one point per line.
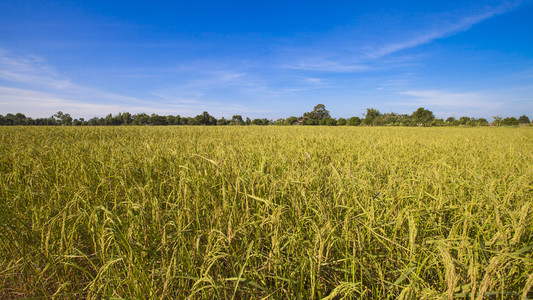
266	212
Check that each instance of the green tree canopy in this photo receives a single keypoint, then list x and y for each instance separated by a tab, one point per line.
371	115
523	119
319	113
422	116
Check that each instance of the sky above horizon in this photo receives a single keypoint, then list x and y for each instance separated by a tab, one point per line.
268	59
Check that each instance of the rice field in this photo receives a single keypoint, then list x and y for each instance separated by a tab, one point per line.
249	212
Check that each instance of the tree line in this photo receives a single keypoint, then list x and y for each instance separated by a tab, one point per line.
318	116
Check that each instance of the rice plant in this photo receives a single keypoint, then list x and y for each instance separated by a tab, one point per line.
266	213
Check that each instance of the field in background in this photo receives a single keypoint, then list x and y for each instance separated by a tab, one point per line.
266	212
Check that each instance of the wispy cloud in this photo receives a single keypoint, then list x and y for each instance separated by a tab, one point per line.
43	104
317	64
353	54
450	99
30	70
447	28
41	91
448	103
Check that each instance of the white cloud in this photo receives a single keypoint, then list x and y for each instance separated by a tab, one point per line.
327	66
447	103
30	70
448	99
445	29
44	104
37	90
355	54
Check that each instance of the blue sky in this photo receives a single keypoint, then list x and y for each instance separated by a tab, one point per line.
266	59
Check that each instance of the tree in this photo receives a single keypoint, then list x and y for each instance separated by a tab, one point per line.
10	119
319	113
236	120
437	122
331	122
450	120
64	119
482	122
354	121
205	119
127	119
222	121
422	116
510	121
311	122
370	117
279	121
497	120
291	120
173	120
342	122
523	120
464	120
141	119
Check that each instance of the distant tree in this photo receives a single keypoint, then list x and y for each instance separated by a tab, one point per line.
248	121
450	120
482	122
187	121
67	120
93	121
222	121
291	120
523	120
205	119
127	118
117	120
141	119
173	120
10	119
63	119
319	113
354	121
279	121
371	116
2	120
422	116
497	120
437	122
156	119
21	119
58	116
331	122
342	122
237	120
311	122
510	121
464	120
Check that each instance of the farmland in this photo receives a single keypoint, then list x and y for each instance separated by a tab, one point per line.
250	212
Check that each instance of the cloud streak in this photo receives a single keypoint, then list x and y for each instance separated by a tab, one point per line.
446	29
42	92
365	56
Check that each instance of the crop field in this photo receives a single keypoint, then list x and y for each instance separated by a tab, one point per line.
266	212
